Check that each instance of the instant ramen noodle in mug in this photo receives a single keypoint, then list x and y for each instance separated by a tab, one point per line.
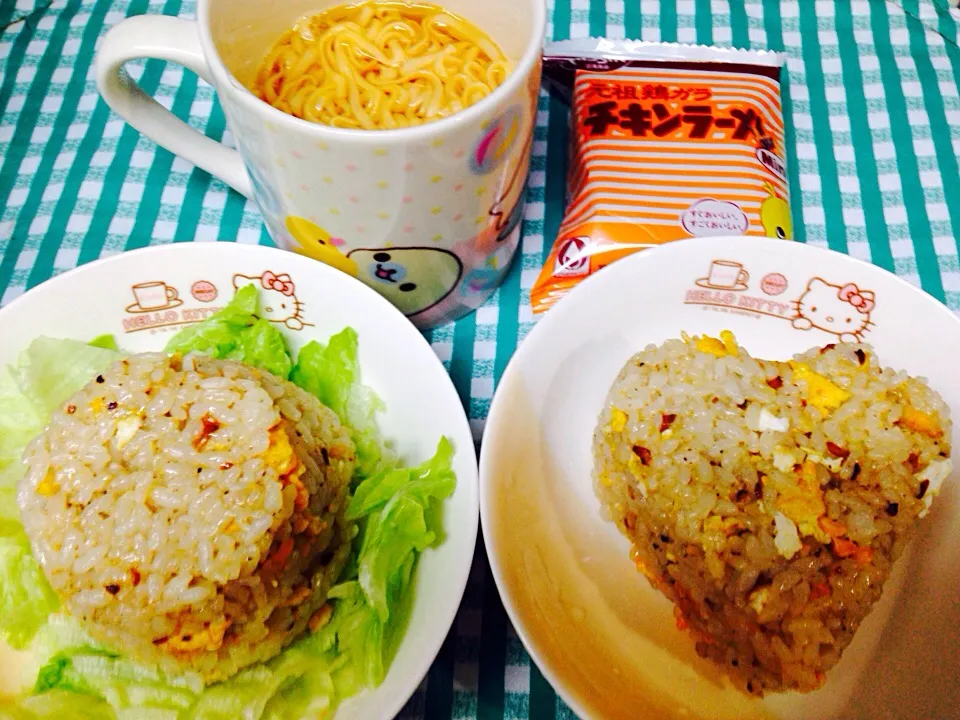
667	142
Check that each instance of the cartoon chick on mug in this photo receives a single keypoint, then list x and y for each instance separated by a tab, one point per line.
315	242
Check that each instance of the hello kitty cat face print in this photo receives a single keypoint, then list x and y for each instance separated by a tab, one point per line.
842	310
278	299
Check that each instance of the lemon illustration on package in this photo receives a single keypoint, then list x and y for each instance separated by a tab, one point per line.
775	215
315	242
412	278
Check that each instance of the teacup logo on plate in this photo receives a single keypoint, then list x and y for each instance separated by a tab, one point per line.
152	296
158	304
413	278
725	275
278	299
841	309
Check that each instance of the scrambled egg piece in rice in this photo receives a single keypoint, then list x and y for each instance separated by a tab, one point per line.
824	395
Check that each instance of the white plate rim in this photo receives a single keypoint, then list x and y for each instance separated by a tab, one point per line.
624	267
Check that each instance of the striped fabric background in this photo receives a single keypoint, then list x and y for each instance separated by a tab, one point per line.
872	112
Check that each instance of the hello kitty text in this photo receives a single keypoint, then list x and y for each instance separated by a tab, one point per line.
159	319
739	301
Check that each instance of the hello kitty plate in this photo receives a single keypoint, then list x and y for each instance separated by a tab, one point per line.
144	296
601	635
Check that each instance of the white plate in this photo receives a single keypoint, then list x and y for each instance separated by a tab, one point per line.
607	641
146	295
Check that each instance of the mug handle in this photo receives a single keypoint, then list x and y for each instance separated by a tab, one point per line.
173	39
172	293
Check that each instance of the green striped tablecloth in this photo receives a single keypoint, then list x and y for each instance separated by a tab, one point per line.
873	116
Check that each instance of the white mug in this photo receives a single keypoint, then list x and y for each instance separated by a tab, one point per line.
427	215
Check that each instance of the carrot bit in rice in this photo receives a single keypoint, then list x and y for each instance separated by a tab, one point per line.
832	527
836	450
277	560
666	420
208	426
844	547
920	422
643	453
298	596
321	617
819	590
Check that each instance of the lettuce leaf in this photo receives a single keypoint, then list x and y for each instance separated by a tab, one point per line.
237	332
396	505
56	705
26	598
332	373
108	342
46	375
52	370
20	419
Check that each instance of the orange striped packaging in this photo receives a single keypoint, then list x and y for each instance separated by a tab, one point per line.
667	142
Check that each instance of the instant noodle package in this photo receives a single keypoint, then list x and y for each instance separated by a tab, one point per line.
667	142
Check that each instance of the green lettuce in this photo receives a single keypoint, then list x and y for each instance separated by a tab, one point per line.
56	705
26	598
396	505
332	373
20	420
395	508
47	374
237	332
108	342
